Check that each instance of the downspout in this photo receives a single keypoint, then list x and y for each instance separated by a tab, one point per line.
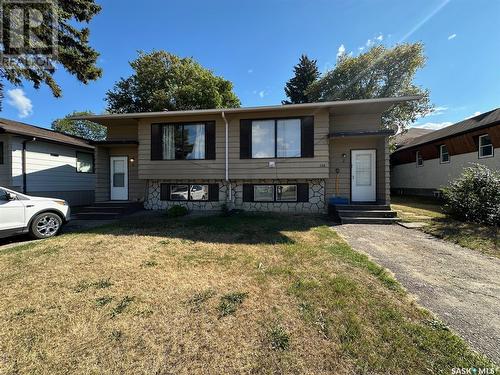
227	155
25	142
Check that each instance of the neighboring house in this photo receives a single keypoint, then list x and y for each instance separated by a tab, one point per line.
287	158
431	161
403	139
41	162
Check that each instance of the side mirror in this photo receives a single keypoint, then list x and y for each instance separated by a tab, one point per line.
11	197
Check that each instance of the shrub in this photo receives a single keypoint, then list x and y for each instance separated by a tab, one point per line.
177	211
474	196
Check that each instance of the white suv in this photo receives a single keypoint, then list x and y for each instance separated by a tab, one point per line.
40	217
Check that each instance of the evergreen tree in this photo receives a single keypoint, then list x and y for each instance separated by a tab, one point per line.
306	73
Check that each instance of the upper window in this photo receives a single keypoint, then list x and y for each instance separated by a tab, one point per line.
276	138
420	160
485	146
84	162
1	152
444	156
183	141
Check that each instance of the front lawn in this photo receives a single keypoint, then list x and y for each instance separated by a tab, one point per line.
250	294
474	236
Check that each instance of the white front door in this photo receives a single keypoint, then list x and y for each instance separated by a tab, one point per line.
363	181
119	178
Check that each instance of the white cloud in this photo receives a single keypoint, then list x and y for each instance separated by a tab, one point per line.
380	37
438	110
369	43
18	99
477	113
341	50
262	93
452	36
432	125
250	71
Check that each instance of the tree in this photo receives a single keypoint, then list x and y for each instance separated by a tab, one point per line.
162	81
80	128
378	73
72	49
306	73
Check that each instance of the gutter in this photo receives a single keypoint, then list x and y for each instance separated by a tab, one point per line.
25	142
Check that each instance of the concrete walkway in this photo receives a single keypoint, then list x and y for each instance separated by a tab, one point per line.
460	286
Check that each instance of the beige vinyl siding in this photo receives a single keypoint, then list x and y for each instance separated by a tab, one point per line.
355	122
339	146
136	187
102	184
16	159
316	167
122	132
181	169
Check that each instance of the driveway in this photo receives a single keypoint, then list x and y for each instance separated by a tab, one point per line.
460	286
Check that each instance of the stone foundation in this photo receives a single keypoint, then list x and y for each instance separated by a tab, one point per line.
316	202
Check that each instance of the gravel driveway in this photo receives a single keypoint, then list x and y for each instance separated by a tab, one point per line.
460	286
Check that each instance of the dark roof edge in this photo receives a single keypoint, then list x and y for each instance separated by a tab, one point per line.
407	147
384	132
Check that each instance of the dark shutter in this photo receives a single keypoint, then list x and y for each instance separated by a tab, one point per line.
156	142
210	140
307	137
164	192
303	192
247	193
213	192
245	139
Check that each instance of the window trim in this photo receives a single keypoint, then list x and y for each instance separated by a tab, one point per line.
93	162
206	123
2	151
479	147
276	119
441	161
417	154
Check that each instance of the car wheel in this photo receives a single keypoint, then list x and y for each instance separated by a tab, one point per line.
45	225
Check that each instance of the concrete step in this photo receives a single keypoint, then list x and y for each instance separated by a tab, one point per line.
367	213
369	220
362	207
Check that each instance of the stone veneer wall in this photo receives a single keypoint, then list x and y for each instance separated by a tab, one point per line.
316	202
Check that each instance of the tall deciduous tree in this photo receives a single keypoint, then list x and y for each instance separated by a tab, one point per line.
80	128
72	49
378	73
306	73
162	81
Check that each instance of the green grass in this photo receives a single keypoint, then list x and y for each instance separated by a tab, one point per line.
260	294
478	237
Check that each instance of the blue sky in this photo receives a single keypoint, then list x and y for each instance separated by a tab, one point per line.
256	43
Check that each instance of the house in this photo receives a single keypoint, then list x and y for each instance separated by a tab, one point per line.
402	139
42	162
287	158
429	162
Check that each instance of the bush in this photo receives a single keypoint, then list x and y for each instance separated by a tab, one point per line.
474	196
177	211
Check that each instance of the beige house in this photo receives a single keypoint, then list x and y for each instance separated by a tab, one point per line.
289	158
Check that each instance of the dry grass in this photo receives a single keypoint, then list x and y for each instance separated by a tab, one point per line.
474	236
250	294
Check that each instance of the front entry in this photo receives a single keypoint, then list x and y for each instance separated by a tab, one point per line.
363	180
119	178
